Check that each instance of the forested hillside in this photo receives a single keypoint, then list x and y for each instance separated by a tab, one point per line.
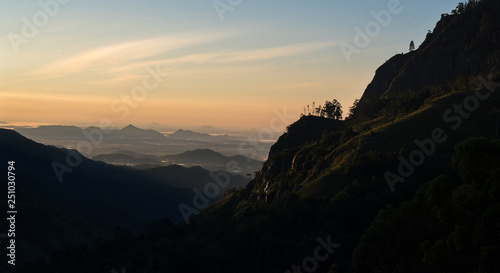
410	183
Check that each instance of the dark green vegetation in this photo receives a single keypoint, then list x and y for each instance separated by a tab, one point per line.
327	177
450	225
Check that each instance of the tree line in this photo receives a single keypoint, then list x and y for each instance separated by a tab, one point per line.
330	109
465	6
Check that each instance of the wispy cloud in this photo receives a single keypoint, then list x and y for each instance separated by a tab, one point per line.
254	54
103	58
121	62
234	56
275	52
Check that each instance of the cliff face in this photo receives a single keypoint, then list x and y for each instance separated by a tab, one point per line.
384	76
327	179
288	153
307	129
460	44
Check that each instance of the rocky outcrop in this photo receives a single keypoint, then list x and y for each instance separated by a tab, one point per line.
285	153
306	129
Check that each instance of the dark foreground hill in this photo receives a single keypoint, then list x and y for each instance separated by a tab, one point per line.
107	194
192	177
64	198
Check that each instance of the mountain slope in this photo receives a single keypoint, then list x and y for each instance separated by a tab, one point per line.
332	185
460	46
336	183
107	188
43	227
91	199
190	178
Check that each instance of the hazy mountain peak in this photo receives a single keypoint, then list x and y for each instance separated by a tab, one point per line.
130	127
204	152
181	133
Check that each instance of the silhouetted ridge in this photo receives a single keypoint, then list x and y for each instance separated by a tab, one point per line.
461	44
330	181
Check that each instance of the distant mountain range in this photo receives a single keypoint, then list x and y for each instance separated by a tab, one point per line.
130	131
74	132
52	131
134	132
190	135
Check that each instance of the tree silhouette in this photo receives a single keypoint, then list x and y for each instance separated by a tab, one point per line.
412	46
462	7
332	109
352	109
319	111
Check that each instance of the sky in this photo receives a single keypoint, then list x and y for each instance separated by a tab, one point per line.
226	63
